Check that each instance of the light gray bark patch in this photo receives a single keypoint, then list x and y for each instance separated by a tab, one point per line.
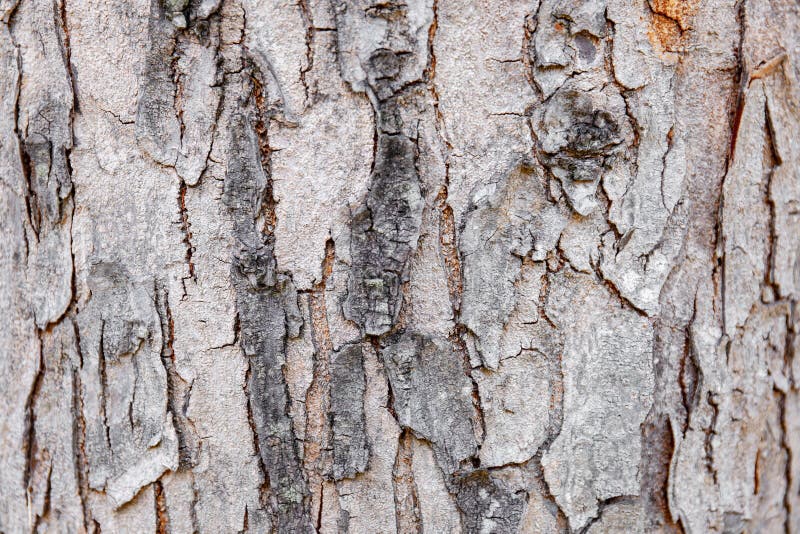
53	481
178	390
130	440
755	364
729	424
746	239
44	127
619	517
508	220
487	504
580	135
608	387
266	301
770	512
204	8
45	110
658	447
516	405
432	395
383	45
49	175
567	40
784	190
199	86
637	258
50	267
385	231
348	385
157	129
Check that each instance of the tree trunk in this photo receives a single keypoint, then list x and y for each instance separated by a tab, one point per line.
400	266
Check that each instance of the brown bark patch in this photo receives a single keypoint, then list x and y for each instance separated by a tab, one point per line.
664	34
162	519
679	11
671	18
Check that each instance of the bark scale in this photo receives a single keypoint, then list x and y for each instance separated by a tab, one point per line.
419	266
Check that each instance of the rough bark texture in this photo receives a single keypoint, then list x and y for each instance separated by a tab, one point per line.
400	266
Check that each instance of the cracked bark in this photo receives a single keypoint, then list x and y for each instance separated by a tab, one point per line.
400	266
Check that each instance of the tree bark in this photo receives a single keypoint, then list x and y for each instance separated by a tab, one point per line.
402	266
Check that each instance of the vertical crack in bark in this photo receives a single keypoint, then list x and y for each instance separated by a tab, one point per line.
160	502
178	390
772	161
743	76
449	247
319	509
264	492
456	338
178	80
80	462
540	484
267	208
658	449
187	233
193	507
317	459
430	78
710	432
45	509
405	491
664	159
103	382
448	243
526	53
308	19
791	477
31	201
67	51
689	372
556	413
29	442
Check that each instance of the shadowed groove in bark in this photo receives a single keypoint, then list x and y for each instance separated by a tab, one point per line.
178	390
316	458
162	517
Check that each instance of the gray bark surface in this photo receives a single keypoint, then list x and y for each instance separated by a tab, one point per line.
402	266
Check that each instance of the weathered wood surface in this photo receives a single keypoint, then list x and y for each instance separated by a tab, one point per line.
400	266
